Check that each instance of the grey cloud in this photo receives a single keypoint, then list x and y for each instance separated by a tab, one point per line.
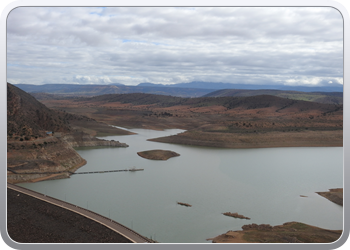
166	45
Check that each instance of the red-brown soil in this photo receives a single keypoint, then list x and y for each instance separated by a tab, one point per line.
259	121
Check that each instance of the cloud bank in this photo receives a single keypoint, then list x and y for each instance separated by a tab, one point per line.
167	45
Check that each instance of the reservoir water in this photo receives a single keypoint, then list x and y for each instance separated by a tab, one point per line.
262	184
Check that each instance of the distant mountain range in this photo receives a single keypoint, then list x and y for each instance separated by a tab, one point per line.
94	90
220	85
192	89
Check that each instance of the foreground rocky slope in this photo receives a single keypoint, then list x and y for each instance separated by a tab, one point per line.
30	220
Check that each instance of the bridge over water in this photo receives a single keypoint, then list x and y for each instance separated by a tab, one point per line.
91	172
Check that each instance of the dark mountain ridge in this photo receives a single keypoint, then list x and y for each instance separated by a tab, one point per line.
192	89
321	97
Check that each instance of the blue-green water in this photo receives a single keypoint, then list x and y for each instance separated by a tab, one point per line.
263	184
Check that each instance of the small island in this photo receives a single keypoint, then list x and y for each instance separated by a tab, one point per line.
158	154
184	204
236	215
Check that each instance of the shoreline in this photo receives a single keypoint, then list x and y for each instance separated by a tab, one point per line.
248	145
289	232
274	139
265	232
334	195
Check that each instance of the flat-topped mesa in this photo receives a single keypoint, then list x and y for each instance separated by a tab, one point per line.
236	215
158	154
184	204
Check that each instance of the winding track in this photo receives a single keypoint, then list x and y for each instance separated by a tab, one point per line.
111	224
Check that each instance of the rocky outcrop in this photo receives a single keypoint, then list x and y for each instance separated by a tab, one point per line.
335	195
80	139
30	160
50	157
261	227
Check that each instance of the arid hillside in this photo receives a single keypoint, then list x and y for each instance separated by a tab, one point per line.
27	118
321	97
40	141
232	122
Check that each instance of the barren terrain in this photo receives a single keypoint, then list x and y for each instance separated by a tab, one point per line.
231	122
335	195
290	232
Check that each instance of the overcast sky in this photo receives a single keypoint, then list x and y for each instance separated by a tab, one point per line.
268	45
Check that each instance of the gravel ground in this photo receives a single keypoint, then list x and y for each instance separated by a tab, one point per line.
30	220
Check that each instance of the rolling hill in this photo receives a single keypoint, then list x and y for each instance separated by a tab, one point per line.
320	97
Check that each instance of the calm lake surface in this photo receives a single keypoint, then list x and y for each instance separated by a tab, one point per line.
262	184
